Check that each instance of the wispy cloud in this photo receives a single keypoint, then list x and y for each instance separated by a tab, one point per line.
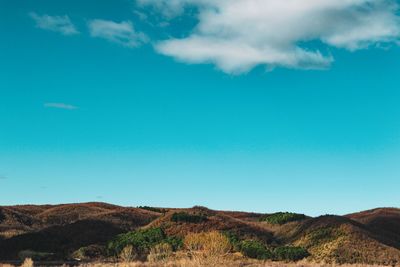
61	24
60	106
238	35
122	33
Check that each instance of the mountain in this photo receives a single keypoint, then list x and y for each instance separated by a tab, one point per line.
371	236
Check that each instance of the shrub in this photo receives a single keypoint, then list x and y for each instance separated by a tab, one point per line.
152	209
89	252
142	241
207	248
282	217
175	242
189	218
250	248
233	240
160	252
321	235
255	249
211	243
290	253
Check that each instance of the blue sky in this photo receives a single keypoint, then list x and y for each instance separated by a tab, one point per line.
139	103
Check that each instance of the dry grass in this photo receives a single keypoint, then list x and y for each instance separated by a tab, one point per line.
213	244
225	262
207	249
11	233
27	263
182	261
128	254
160	253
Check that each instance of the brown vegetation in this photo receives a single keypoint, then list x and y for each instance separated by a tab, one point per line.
383	222
160	253
187	262
207	249
195	236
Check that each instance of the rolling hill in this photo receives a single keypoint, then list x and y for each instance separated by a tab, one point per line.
371	237
383	222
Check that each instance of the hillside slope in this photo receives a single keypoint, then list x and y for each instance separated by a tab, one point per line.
211	221
384	222
342	240
61	229
371	236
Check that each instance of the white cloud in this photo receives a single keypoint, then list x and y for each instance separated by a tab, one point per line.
60	24
121	33
237	35
60	106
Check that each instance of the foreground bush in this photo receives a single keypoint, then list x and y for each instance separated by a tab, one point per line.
233	240
207	249
188	218
210	243
283	217
255	249
142	241
290	253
